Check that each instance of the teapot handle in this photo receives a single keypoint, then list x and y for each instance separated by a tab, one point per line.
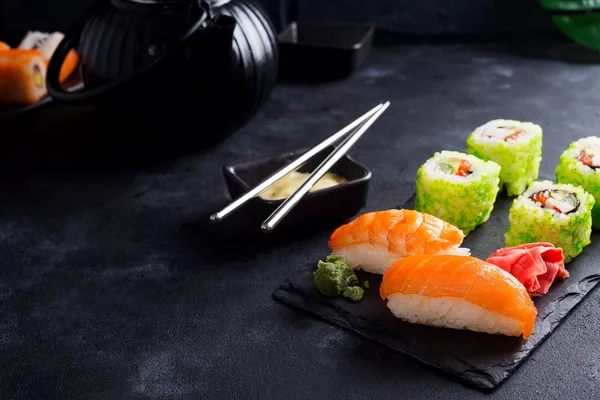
86	96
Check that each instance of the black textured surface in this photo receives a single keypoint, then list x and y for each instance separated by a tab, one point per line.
112	287
479	360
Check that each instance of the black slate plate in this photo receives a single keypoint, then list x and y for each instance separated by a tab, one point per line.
479	360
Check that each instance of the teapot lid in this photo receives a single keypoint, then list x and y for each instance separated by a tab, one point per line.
167	3
152	4
212	3
160	1
217	3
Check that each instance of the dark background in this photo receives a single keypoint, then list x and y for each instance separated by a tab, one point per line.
112	285
422	17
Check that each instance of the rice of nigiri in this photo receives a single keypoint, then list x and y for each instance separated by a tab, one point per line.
375	240
458	292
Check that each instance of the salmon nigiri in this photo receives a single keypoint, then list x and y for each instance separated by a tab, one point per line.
458	292
375	240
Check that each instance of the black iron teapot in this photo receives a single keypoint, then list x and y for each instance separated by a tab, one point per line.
215	60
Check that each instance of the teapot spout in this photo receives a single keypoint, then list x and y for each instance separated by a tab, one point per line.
222	28
214	40
225	23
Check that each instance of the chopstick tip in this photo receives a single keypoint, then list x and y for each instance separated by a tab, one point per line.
266	227
215	218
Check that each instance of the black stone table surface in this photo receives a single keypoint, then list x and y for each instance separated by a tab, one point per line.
111	287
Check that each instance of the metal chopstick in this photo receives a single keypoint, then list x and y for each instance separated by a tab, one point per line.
231	207
271	222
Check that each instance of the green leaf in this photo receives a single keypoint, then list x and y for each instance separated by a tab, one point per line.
583	28
570	5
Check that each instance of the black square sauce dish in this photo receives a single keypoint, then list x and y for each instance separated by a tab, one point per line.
322	50
318	208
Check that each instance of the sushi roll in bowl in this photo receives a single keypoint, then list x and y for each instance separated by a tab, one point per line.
516	146
22	76
580	165
458	188
560	214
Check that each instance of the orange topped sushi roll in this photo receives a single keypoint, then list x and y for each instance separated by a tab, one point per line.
68	65
47	43
375	240
22	76
23	69
458	292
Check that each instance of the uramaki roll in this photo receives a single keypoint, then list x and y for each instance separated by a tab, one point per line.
458	188
516	146
580	165
560	214
22	76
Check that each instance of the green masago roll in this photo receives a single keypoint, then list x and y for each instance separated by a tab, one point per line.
580	165
560	214
459	188
515	145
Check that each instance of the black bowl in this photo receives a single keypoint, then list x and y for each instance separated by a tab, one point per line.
322	51
319	208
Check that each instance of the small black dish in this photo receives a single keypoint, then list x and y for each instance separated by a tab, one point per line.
10	111
322	50
316	209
